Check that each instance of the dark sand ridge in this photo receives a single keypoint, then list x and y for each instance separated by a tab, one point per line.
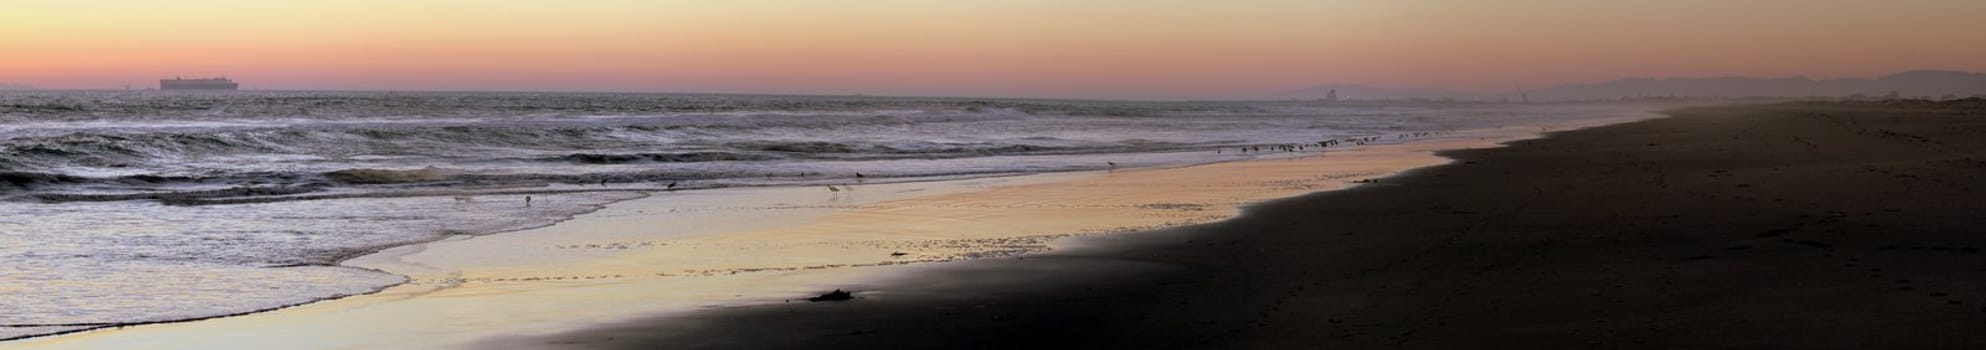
1796	225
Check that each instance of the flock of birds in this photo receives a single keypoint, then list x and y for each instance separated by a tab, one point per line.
1359	141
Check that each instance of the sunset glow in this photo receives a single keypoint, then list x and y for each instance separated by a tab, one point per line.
1112	49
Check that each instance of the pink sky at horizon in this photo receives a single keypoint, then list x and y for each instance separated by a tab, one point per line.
1023	48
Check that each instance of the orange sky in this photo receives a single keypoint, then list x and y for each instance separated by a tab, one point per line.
1062	48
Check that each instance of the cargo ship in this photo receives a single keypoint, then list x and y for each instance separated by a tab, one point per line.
198	84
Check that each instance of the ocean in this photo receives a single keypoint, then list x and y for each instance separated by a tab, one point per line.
139	207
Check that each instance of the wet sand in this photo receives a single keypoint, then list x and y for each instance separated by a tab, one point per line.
1780	226
684	253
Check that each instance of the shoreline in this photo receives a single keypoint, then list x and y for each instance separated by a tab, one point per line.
339	262
1799	225
380	258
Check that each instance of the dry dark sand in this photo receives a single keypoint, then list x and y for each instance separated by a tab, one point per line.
1779	226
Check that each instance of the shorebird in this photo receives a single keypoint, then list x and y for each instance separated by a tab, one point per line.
463	198
527	201
672	185
858	175
1112	164
833	189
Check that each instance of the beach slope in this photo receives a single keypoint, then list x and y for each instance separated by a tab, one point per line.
1811	225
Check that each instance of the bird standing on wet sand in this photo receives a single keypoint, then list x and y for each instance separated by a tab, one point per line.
527	201
672	185
833	189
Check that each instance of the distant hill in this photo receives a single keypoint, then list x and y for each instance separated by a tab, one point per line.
1360	92
1922	83
1919	83
5	86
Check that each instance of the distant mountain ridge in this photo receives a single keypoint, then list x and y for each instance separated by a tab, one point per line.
1931	83
1917	83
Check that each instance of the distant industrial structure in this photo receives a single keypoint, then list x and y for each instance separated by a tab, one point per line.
198	84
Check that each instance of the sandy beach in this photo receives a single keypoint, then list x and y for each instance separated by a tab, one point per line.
677	254
887	174
1812	225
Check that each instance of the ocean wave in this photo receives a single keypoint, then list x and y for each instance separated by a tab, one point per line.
17	181
629	158
23	181
391	176
181	197
912	148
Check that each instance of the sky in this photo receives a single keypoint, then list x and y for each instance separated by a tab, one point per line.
1146	49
